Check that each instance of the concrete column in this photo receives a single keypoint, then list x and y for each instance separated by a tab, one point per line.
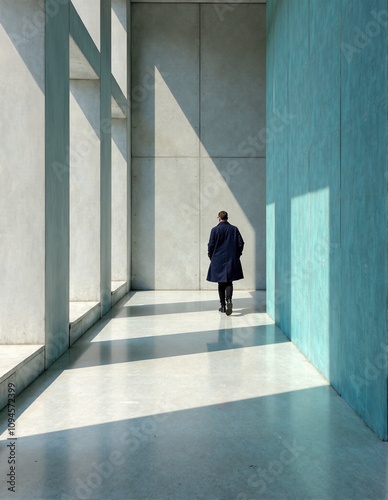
129	145
106	151
119	146
85	190
57	182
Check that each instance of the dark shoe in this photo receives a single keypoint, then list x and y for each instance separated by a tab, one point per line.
229	307
222	309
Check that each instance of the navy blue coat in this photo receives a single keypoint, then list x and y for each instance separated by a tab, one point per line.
224	249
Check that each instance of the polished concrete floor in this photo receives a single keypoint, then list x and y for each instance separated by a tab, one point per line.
166	398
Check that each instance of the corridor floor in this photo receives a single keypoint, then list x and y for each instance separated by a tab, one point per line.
165	398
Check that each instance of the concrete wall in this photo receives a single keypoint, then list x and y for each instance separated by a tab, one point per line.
90	13
119	200
326	191
198	98
85	188
22	152
119	43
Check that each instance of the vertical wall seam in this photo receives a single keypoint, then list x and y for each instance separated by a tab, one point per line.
199	141
339	345
287	308
308	180
386	209
130	137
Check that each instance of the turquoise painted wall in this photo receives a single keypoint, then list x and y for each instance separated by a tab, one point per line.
326	191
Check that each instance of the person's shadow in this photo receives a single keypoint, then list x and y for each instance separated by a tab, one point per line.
243	312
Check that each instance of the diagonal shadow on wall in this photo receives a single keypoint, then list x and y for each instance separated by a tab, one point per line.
198	98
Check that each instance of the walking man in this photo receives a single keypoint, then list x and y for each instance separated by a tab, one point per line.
224	250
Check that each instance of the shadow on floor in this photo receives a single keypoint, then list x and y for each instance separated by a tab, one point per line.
130	310
302	444
108	352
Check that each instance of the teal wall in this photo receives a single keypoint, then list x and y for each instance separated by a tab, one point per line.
326	191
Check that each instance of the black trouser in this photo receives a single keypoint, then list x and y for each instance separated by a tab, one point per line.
225	291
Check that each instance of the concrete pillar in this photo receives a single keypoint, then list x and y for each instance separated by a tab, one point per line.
106	152
57	182
129	145
119	218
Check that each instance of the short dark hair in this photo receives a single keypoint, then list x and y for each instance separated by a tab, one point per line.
223	215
